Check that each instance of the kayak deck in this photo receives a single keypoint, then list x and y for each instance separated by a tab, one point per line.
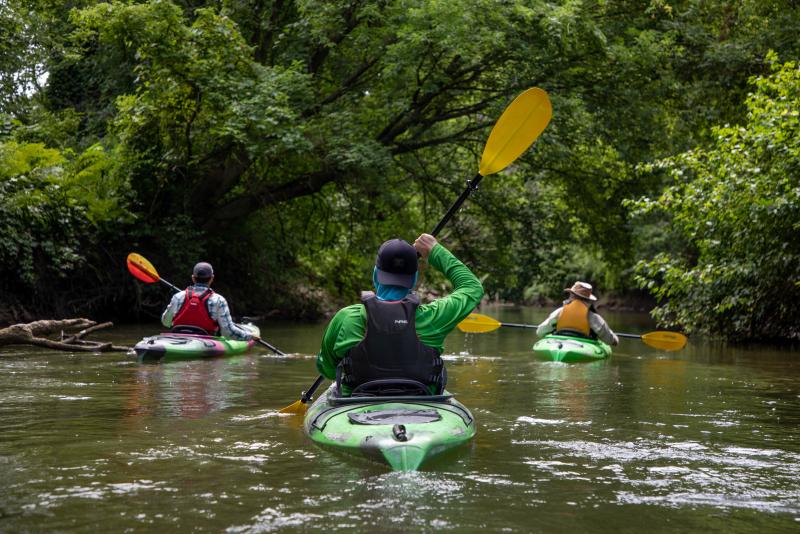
560	348
173	346
403	432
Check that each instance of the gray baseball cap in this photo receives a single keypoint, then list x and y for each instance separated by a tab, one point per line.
203	270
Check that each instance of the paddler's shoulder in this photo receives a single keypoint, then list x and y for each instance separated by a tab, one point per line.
353	311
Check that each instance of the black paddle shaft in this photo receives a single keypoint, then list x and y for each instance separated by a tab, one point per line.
630	336
519	325
306	396
270	347
472	185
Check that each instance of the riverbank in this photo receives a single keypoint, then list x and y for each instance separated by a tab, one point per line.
304	304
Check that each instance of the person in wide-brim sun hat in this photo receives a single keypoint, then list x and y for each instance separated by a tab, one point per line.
578	317
582	290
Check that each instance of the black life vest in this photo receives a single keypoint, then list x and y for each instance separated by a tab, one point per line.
391	349
194	311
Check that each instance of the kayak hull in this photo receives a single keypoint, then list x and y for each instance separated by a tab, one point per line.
401	433
557	348
170	346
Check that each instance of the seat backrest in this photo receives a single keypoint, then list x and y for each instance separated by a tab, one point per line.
189	329
391	387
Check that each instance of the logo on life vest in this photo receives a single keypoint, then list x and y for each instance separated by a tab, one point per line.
400	321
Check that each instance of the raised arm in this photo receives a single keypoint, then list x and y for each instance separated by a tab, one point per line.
438	318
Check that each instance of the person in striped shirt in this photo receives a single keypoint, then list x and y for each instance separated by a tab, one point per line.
199	306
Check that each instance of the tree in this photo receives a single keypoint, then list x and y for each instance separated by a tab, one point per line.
283	140
736	205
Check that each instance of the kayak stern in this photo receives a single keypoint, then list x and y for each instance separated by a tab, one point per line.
404	434
174	346
568	349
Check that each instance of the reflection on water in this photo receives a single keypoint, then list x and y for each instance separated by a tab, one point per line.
706	438
188	388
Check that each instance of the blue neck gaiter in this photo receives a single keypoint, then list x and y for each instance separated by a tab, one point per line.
384	292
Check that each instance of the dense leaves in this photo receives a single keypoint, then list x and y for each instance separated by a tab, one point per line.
736	206
283	140
54	208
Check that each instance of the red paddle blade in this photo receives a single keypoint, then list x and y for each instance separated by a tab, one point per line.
142	269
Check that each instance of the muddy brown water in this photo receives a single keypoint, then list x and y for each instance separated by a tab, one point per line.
706	439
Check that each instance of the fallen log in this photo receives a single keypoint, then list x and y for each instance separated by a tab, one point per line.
89	330
33	334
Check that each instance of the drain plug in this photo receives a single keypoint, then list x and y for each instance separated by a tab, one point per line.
399	432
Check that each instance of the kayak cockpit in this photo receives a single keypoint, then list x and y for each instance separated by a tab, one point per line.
401	430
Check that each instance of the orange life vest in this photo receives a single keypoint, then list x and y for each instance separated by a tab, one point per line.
574	316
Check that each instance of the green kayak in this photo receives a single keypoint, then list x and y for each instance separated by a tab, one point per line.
558	348
170	346
403	431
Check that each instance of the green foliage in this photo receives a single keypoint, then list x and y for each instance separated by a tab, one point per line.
19	70
284	141
51	205
737	203
39	222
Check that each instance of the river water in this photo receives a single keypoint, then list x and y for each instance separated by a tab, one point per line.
706	439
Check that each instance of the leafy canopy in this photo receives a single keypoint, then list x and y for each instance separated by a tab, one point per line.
736	204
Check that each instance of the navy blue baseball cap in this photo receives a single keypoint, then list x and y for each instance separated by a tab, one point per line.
397	263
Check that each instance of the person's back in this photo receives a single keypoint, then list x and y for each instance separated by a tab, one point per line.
577	317
390	337
200	309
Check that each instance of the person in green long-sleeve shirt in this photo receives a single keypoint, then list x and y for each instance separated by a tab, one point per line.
390	344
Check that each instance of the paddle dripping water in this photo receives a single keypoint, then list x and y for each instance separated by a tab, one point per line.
705	438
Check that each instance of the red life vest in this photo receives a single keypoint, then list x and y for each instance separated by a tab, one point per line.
194	311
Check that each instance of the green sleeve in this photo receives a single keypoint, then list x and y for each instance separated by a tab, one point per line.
434	320
437	319
345	331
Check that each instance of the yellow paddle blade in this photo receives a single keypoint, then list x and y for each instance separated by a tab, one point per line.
516	129
477	323
669	341
142	269
298	407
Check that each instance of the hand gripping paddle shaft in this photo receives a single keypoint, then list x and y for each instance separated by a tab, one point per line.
516	129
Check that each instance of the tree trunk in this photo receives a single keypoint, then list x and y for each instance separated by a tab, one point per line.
33	334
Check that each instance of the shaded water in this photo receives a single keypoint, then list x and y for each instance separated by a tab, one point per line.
707	438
